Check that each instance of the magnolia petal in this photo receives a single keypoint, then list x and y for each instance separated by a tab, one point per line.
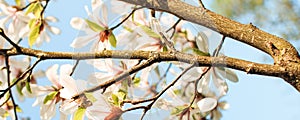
221	85
77	23
51	19
96	3
216	115
51	74
202	42
66	69
54	30
116	5
223	105
82	41
99	77
70	88
207	104
36	90
100	108
47	111
68	107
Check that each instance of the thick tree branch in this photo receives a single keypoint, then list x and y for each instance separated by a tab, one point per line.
283	53
278	48
290	72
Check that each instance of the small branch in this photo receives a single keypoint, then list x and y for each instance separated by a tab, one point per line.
8	85
168	42
153	58
9	40
155	98
74	67
126	18
174	27
20	78
201	4
217	50
44	8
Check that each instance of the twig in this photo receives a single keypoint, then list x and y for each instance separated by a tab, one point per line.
8	85
217	50
167	41
174	27
154	99
9	40
201	4
215	53
20	78
154	58
126	18
74	67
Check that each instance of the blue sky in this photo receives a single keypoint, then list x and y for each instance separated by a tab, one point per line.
253	97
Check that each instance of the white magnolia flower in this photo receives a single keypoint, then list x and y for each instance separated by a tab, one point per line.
95	28
45	29
15	19
94	110
48	96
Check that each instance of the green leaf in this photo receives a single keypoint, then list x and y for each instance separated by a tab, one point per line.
177	110
28	88
18	2
90	96
115	99
79	114
50	96
128	29
36	8
34	32
30	8
112	40
122	94
149	32
165	49
94	26
136	81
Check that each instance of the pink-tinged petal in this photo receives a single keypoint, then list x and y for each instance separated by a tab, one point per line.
81	85
63	116
100	108
116	5
36	90
69	87
47	111
104	15
102	65
77	23
223	105
202	42
99	77
207	104
51	19
96	3
51	74
66	69
54	30
38	101
68	107
221	85
203	84
83	40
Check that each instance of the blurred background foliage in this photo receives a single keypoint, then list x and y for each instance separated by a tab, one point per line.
280	17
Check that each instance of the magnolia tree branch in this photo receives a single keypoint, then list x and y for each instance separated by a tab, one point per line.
238	64
283	53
